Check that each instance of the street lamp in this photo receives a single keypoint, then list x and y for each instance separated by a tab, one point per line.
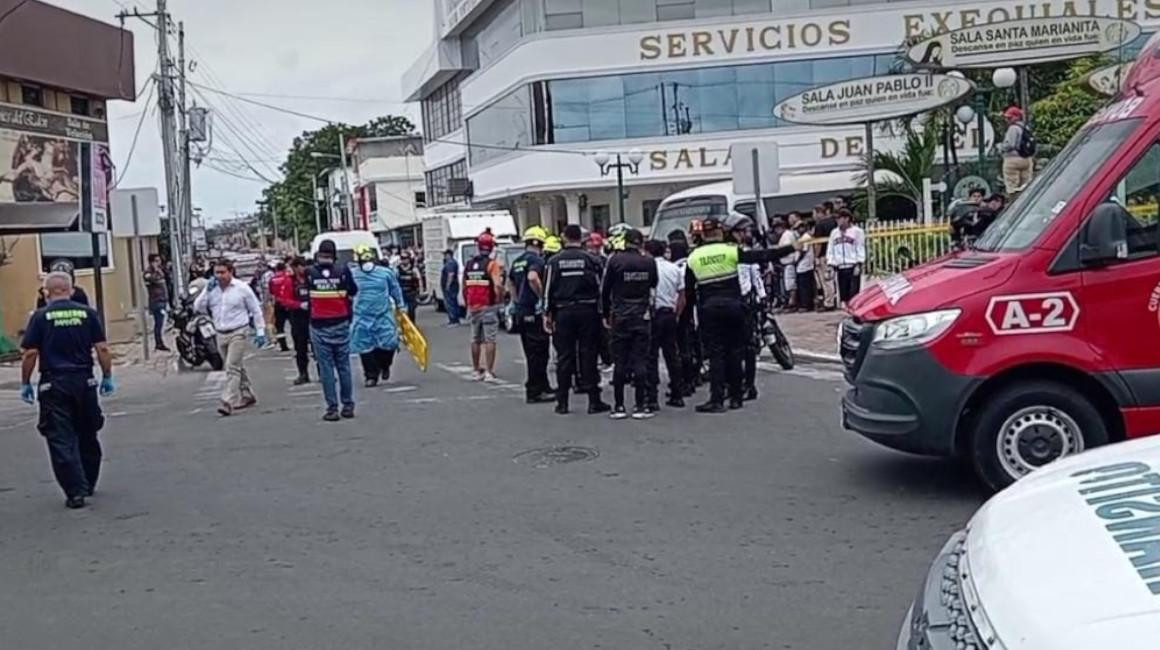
604	162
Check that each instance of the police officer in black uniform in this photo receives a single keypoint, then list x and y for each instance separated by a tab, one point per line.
626	302
571	314
62	337
688	340
526	277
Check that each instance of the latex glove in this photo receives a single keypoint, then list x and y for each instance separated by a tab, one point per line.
28	394
304	306
260	340
108	387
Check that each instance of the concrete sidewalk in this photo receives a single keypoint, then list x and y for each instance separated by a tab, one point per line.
813	335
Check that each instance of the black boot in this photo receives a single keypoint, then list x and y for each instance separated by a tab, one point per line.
736	403
711	407
302	379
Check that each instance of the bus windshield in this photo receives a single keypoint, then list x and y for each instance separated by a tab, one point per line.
679	215
1055	187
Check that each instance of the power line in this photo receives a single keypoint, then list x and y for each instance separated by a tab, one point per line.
272	107
12	11
136	135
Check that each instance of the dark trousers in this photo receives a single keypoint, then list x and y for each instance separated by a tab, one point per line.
689	348
412	304
377	364
451	305
70	417
300	332
536	344
281	315
577	343
752	346
723	329
807	290
630	353
157	308
664	343
849	284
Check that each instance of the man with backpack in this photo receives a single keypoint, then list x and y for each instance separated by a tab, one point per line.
1018	150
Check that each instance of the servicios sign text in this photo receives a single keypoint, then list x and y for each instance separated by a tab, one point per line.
872	99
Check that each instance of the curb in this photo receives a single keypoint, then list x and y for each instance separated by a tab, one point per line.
818	357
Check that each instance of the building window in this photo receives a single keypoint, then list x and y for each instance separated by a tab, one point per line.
77	247
31	95
576	14
442	111
439	183
373	198
420	199
648	210
504	126
600	217
676	9
80	105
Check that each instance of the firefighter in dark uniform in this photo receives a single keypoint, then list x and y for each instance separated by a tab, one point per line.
527	287
713	268
626	303
571	314
62	337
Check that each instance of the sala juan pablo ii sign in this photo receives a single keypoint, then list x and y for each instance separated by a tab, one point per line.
872	99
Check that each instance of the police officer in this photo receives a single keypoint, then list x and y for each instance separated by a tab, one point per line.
626	302
571	313
61	337
527	288
688	340
754	295
713	268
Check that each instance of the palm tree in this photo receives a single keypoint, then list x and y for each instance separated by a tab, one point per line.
906	168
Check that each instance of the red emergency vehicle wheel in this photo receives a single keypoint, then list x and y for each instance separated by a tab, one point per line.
1027	425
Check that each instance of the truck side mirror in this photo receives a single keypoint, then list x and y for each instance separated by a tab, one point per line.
1104	237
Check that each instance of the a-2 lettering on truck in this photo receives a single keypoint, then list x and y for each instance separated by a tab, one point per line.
1044	340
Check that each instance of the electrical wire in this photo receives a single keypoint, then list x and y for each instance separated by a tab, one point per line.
136	135
11	11
272	107
235	133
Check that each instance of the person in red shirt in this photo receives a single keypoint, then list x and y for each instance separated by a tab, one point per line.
280	284
483	294
293	297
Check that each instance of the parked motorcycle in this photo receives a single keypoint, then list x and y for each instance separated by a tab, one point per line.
195	334
773	338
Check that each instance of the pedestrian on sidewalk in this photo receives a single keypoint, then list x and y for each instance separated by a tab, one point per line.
825	221
237	315
669	307
281	286
61	338
789	262
374	334
449	283
1018	149
846	255
295	301
483	292
331	291
157	289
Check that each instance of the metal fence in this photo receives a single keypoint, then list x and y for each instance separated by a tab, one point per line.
894	246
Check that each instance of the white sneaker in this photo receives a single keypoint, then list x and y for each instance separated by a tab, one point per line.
478	375
489	376
618	413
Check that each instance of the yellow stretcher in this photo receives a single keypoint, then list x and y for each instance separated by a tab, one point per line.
412	339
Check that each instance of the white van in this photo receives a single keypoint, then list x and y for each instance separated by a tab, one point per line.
345	242
1067	558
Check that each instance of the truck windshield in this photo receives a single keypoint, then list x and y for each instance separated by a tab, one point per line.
678	215
1055	187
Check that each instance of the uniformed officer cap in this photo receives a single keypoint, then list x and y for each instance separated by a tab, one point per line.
633	237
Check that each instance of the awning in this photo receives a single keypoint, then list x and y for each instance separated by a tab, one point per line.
17	218
468	225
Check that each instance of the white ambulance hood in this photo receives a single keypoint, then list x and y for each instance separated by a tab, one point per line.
1050	574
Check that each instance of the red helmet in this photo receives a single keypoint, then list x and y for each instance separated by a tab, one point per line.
596	240
485	242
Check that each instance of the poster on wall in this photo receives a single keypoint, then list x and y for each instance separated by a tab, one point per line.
38	169
872	99
1023	42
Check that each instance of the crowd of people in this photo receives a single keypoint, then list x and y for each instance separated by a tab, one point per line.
827	274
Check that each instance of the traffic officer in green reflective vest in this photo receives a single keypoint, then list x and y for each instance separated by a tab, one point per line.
712	268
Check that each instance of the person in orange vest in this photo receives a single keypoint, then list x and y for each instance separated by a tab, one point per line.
483	295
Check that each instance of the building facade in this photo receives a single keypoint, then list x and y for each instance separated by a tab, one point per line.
391	190
57	71
519	95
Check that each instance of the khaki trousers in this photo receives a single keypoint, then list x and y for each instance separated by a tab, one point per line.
1016	173
234	346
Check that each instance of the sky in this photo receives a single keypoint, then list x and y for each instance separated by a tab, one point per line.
346	57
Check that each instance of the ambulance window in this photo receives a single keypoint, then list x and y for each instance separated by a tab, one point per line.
1139	192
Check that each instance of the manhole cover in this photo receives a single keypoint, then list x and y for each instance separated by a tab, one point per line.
547	456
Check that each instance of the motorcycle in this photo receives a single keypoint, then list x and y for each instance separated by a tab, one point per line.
195	334
773	338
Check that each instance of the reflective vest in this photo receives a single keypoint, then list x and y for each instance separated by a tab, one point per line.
715	268
478	288
328	299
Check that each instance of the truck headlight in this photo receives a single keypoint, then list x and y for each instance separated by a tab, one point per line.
916	329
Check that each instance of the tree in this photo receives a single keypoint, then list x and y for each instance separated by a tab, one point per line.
907	167
1059	114
291	200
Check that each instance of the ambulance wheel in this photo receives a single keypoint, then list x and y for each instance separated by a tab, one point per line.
1027	425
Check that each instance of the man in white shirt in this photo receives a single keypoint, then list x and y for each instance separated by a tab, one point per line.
753	291
669	301
807	284
846	254
789	262
237	315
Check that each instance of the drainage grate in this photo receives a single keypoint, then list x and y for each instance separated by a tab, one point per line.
548	456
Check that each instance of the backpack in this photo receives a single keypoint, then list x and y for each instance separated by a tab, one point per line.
1027	144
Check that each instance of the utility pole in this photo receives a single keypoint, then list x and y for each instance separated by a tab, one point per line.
183	119
165	102
346	182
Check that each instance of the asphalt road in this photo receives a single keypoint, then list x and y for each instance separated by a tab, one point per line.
419	525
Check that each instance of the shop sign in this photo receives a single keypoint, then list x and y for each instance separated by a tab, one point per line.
1023	42
73	127
872	99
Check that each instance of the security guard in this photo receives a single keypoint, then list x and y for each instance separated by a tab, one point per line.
571	313
62	337
713	268
754	295
626	302
527	288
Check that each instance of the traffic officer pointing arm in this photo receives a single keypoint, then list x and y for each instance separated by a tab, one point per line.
61	337
714	268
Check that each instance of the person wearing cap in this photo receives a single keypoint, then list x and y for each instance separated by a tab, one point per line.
374	332
63	266
526	279
449	283
1016	166
713	268
572	316
483	293
626	303
754	294
331	289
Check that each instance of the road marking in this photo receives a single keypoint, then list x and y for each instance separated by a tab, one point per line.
400	389
809	372
422	400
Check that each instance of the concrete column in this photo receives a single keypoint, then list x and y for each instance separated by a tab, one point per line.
522	216
548	211
572	204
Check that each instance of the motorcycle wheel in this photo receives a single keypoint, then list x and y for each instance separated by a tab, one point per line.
425	298
781	349
215	360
